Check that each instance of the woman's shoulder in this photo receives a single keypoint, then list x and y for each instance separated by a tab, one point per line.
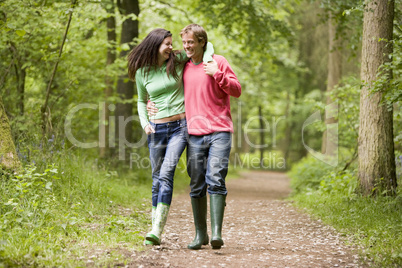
145	71
140	72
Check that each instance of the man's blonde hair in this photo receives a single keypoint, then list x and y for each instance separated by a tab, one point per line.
198	32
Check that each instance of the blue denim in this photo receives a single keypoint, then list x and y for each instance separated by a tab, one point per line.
165	148
207	163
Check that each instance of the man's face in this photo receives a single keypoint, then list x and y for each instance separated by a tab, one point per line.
193	48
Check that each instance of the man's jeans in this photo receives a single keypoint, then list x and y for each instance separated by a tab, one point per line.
165	148
207	163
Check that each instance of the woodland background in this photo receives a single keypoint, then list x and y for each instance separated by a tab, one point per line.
292	58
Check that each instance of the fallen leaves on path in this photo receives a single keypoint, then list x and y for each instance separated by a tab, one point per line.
259	231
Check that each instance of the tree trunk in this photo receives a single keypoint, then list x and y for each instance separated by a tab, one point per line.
289	127
20	74
329	143
262	138
104	144
376	144
8	156
21	90
125	87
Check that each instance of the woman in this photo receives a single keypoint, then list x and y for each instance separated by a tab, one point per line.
157	70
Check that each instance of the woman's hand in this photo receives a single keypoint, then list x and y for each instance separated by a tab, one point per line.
149	129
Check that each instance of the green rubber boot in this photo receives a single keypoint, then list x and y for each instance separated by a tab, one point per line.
147	242
217	207
200	221
161	214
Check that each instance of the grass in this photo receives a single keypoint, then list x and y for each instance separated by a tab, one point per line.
375	224
74	213
372	223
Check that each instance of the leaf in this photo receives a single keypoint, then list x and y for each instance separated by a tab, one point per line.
10	25
20	32
125	47
49	185
64	226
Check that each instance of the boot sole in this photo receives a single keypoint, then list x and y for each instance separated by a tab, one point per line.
149	243
154	239
216	244
198	246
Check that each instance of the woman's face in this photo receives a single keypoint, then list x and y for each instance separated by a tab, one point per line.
165	49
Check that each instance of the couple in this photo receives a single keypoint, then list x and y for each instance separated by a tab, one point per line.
191	91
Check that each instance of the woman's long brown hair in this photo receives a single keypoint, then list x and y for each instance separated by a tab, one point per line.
145	55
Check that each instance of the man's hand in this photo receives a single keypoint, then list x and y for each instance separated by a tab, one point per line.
152	110
211	67
149	129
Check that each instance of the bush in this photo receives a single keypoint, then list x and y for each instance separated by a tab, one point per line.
341	183
307	174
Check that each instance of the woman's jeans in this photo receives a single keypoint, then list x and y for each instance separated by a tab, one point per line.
207	163
165	148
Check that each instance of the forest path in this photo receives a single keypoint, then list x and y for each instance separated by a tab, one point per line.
260	230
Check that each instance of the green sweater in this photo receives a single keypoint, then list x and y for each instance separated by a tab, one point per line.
164	91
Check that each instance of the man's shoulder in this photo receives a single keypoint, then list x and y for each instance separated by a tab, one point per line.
218	57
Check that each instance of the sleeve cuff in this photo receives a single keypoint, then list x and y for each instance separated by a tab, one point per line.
218	76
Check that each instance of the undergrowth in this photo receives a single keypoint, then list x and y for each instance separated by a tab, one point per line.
74	212
372	223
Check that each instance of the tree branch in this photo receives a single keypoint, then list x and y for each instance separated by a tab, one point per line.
44	107
352	159
177	8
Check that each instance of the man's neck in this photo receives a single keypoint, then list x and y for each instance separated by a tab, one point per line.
196	60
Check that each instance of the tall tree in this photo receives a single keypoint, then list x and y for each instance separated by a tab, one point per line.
109	80
329	142
262	136
376	143
45	108
8	156
20	74
125	87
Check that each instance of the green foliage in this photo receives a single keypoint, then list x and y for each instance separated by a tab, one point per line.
80	76
347	16
390	74
374	224
348	97
244	20
343	183
278	51
56	216
307	174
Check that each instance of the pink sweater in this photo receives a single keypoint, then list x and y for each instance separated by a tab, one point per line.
207	98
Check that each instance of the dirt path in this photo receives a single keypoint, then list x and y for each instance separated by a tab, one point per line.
260	230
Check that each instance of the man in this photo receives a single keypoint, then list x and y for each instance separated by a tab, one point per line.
207	91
